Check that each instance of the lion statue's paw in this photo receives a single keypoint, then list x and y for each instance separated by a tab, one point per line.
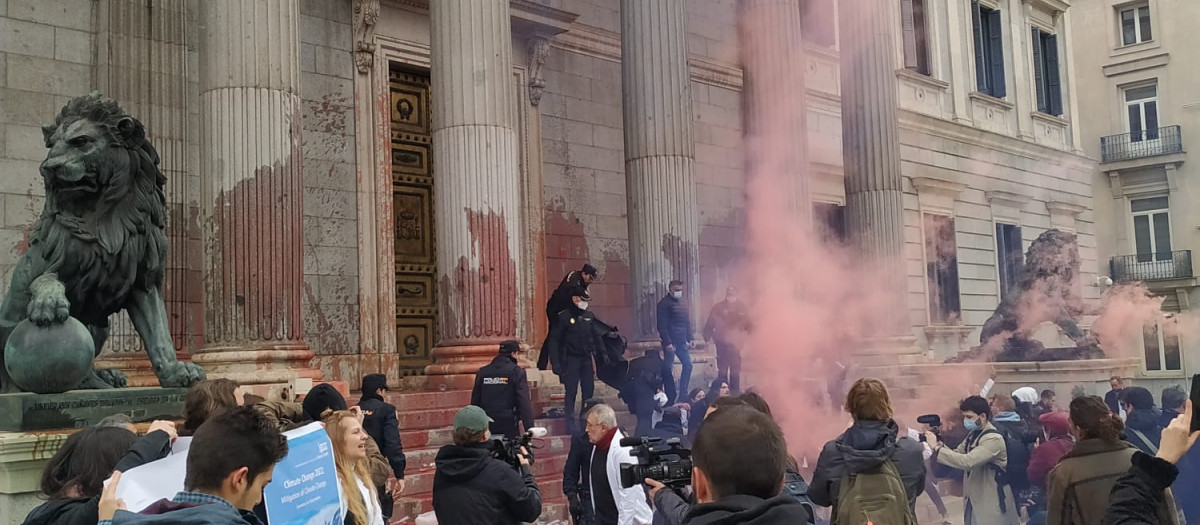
49	304
104	379
180	374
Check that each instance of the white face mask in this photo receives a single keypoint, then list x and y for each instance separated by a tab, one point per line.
582	305
677	294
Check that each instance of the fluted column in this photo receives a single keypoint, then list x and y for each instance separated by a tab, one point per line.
476	200
660	182
251	197
871	147
776	130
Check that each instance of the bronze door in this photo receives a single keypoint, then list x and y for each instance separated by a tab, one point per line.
412	209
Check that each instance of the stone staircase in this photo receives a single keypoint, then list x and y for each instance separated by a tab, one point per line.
426	418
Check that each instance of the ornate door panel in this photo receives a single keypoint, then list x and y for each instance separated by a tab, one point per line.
412	209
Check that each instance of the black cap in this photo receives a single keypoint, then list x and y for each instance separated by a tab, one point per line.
510	347
373	382
589	269
321	398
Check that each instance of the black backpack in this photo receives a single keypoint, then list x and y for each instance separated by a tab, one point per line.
1013	475
795	486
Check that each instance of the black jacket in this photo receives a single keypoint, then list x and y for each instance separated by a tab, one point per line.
470	487
674	322
573	336
1145	422
379	420
1137	496
865	446
642	381
577	471
502	390
561	298
86	511
1113	399
748	510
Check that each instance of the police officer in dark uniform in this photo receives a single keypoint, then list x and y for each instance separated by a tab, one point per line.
502	390
560	300
572	342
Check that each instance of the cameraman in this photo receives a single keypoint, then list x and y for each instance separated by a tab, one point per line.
731	440
471	487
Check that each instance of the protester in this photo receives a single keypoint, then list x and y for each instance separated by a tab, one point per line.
360	501
1139	496
1019	438
671	426
643	381
982	456
576	478
1113	397
572	343
73	479
1046	404
471	487
675	333
231	459
1081	483
502	390
1173	399
613	504
119	421
727	491
379	421
206	399
697	406
870	448
1025	398
1058	442
727	326
1141	419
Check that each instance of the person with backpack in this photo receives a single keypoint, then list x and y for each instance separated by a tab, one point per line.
1019	438
1142	427
868	462
1081	486
982	457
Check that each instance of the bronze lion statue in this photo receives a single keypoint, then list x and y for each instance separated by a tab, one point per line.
99	245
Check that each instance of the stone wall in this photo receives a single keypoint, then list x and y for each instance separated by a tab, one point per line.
45	58
331	316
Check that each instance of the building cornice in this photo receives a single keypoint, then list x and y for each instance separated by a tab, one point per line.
1131	65
1007	198
962	132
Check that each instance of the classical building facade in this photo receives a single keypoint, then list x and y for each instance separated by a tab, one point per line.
1139	118
396	185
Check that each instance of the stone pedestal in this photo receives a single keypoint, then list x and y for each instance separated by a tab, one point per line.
660	152
871	152
477	202
252	192
79	408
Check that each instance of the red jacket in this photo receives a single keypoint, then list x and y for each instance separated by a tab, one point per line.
1045	457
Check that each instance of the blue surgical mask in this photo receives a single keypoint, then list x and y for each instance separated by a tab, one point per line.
970	424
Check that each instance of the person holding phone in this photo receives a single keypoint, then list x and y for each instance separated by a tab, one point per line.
1136	494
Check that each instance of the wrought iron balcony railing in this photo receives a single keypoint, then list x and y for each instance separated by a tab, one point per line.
1151	266
1140	144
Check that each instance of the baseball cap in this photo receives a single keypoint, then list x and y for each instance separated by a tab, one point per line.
472	417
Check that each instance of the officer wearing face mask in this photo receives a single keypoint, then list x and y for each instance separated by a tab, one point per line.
675	332
572	342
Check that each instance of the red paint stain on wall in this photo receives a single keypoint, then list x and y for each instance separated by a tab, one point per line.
481	303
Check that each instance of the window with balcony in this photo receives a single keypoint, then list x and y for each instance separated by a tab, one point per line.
818	23
1135	25
1009	258
941	269
989	49
1141	106
1045	72
1151	229
916	36
1160	342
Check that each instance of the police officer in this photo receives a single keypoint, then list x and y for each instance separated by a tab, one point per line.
643	380
502	390
560	300
572	342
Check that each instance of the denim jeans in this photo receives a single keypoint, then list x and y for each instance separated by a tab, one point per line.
668	372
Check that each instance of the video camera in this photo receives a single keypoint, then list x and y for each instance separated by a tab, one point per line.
934	422
665	461
506	449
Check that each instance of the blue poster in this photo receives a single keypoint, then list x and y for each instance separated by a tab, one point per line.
304	489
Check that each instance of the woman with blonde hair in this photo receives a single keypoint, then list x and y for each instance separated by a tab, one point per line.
360	501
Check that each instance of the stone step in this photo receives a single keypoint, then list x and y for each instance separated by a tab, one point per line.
421	481
436	437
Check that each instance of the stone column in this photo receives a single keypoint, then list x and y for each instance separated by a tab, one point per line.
251	191
776	129
476	201
659	155
871	147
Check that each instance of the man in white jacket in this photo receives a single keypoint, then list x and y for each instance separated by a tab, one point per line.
613	505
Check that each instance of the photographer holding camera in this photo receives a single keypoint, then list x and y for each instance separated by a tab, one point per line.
471	487
740	459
